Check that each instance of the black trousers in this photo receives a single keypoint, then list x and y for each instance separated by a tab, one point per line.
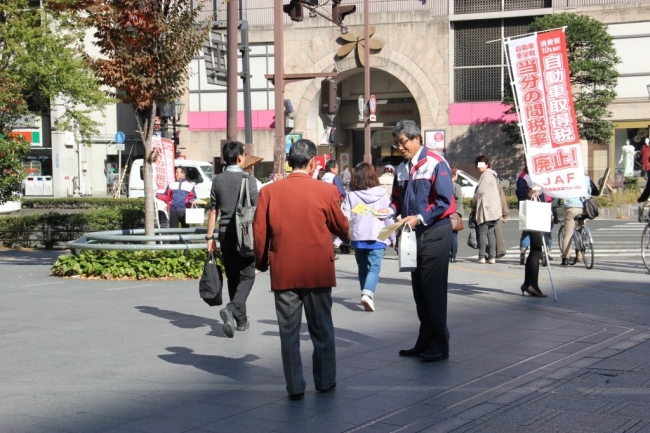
240	272
175	217
531	274
429	283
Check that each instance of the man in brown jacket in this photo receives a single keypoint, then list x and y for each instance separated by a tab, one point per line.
293	224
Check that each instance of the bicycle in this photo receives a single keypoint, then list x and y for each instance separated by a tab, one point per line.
581	243
644	217
116	186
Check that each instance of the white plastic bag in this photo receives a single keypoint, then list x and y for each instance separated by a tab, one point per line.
408	250
535	216
195	215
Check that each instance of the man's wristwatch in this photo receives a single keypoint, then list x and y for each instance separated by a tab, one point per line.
209	238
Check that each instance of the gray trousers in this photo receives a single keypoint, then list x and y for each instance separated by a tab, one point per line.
318	310
487	241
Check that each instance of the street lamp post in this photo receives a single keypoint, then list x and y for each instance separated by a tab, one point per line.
178	110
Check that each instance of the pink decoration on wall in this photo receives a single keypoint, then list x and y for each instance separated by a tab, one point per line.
476	113
217	120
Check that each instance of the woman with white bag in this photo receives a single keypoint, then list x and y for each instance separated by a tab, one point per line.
531	273
368	250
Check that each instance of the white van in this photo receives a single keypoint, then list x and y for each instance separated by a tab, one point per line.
198	172
467	183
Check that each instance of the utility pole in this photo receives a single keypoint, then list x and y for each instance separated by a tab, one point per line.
232	25
367	156
280	79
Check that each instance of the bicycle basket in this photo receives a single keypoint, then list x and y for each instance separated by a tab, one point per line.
644	212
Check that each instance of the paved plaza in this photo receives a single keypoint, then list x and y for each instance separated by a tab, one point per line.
143	356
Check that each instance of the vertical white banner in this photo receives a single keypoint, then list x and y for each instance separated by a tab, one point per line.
540	73
164	165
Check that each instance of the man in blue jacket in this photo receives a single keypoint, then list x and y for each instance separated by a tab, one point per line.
423	194
179	196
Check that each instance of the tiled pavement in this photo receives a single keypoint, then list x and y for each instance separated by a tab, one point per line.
131	356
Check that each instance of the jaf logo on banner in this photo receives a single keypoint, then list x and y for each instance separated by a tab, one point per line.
540	74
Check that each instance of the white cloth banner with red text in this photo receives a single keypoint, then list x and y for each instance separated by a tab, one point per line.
540	72
163	149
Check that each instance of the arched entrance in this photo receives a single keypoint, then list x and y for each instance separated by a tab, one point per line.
394	102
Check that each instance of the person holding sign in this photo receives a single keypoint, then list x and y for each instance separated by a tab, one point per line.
423	194
368	250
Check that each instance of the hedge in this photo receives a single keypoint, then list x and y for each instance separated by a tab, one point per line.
29	230
86	203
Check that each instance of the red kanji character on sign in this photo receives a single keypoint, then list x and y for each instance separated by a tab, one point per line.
553	61
561	120
563	159
534	110
532	96
554	77
556	91
563	135
538	140
535	125
558	106
542	163
527	66
529	81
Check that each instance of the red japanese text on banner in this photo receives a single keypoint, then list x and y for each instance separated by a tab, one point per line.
540	71
164	165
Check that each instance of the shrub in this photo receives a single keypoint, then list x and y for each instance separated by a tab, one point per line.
138	265
631	183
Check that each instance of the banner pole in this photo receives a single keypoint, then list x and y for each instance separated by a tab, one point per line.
514	97
548	265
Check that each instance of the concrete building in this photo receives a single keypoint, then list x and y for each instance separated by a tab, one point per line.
435	67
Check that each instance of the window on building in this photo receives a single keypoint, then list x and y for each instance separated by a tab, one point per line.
211	97
480	71
482	6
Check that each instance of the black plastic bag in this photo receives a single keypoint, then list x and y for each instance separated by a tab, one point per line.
211	283
472	237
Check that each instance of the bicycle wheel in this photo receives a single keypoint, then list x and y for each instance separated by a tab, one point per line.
560	237
587	249
645	246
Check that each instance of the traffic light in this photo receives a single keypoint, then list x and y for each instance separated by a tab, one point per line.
340	12
294	10
328	99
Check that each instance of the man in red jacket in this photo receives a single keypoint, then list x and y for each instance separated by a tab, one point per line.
301	259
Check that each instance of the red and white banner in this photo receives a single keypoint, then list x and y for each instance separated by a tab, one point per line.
163	170
540	71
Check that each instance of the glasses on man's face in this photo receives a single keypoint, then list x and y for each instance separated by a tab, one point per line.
397	143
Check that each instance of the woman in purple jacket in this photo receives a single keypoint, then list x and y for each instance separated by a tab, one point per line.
368	250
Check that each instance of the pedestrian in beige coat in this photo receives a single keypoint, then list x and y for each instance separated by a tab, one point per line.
487	207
